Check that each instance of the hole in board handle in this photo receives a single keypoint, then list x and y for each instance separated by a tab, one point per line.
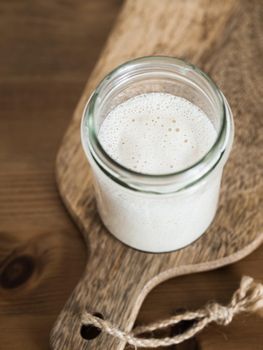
88	331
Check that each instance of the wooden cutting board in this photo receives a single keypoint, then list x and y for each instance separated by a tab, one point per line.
224	39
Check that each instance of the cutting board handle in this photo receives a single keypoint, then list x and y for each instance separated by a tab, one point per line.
111	289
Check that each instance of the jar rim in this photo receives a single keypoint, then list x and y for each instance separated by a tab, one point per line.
157	183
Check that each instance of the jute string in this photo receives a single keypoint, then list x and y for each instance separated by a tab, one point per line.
248	298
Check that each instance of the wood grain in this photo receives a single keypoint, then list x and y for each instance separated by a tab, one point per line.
43	69
47	52
117	279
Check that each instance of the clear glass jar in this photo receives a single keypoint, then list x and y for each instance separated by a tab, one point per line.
157	213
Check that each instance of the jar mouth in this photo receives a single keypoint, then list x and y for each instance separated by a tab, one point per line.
156	183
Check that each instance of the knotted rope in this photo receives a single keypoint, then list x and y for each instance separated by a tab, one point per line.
248	298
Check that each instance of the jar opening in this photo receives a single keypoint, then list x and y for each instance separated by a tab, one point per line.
155	74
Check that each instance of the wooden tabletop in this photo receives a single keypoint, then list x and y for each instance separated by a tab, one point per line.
48	49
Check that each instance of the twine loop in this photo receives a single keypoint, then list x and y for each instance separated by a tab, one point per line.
248	298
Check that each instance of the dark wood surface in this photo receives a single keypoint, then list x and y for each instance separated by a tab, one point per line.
47	52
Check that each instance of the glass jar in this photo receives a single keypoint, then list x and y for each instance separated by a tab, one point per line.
157	213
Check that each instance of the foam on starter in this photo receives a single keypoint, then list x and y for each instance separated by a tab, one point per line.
157	133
